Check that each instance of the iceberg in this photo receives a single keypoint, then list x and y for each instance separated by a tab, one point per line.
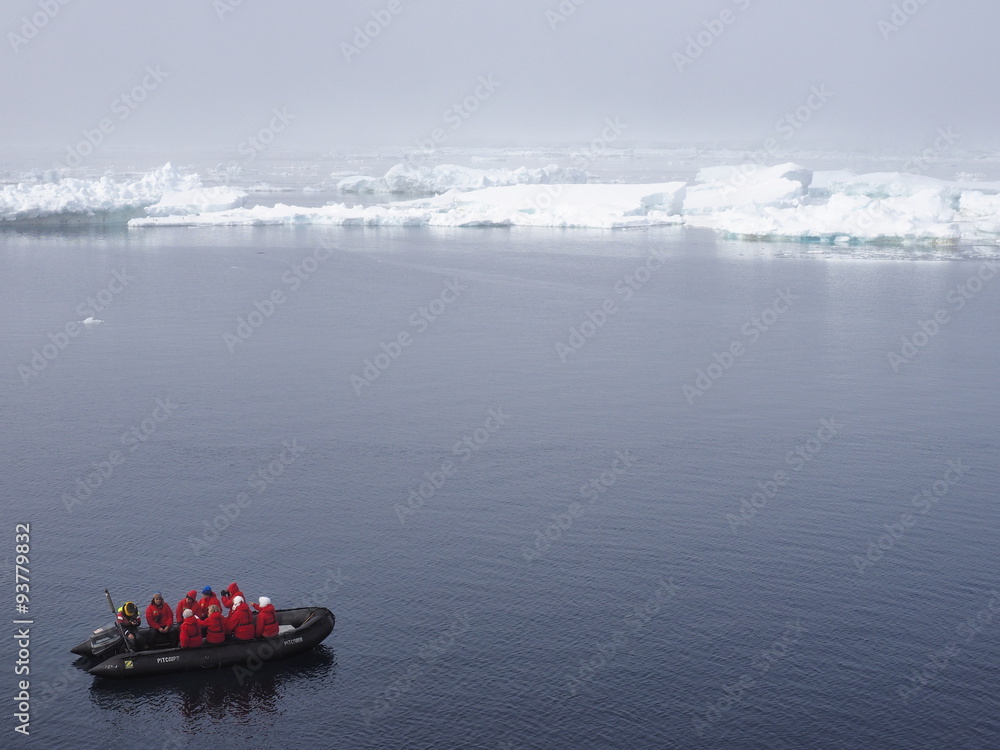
595	206
409	178
748	187
926	216
104	200
786	202
199	200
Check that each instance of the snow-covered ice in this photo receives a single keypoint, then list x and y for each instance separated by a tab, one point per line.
164	190
600	206
786	201
747	186
414	178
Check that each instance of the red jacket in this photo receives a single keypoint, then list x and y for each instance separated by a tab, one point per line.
181	606
191	633
204	603
159	617
214	628
239	622
267	622
231	593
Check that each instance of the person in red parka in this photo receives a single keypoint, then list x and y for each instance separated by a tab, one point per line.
214	627
230	593
190	630
267	621
239	622
159	617
208	598
188	602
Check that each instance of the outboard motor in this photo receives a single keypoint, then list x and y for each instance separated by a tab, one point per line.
107	640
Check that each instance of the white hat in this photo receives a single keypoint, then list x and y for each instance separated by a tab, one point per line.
237	601
264	601
188	613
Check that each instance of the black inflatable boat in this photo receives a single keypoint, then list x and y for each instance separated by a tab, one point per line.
300	630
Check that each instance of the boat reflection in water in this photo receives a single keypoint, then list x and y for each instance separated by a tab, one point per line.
218	693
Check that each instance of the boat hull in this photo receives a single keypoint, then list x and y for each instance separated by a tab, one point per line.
311	627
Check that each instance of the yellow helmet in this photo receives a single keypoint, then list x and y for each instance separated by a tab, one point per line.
130	609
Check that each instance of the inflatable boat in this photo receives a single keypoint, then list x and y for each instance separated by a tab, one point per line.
299	631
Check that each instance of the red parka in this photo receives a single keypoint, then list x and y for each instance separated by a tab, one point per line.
239	622
231	593
191	633
214	628
204	603
185	603
159	617
267	622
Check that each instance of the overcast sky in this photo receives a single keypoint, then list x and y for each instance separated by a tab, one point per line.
556	76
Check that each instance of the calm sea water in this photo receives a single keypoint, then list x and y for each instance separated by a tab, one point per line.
531	538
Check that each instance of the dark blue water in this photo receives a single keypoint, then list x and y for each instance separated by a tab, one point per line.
588	564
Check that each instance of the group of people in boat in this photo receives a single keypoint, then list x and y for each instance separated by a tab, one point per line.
195	621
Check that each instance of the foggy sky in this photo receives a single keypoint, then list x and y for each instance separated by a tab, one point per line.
221	79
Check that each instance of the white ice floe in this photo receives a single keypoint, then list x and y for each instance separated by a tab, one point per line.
411	178
926	216
71	200
599	206
199	200
787	201
746	187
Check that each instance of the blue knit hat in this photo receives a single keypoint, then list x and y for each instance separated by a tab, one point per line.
207	590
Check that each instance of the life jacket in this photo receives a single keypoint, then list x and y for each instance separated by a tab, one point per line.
125	620
215	628
190	633
240	623
267	622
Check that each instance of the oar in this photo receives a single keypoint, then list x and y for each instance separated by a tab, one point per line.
121	630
